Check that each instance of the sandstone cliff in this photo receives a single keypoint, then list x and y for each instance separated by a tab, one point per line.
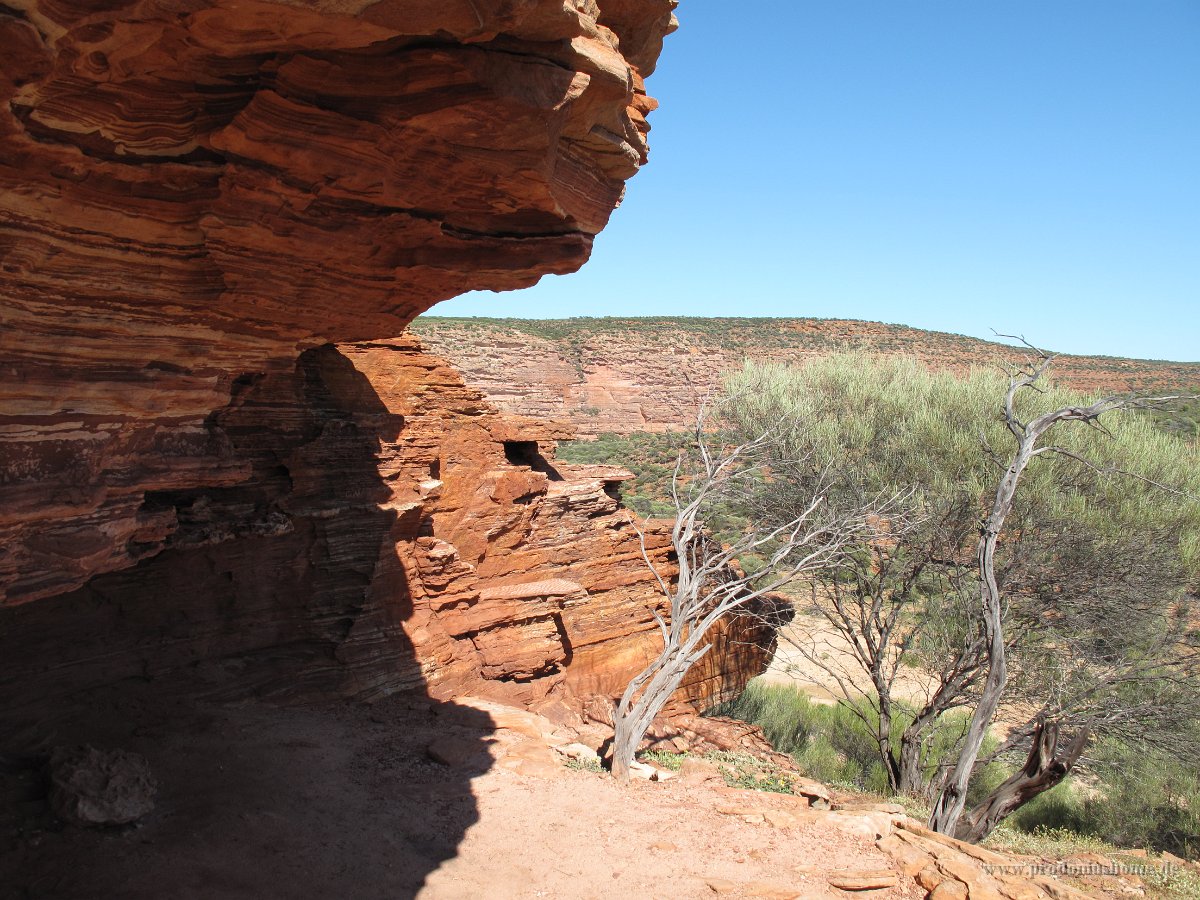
395	532
197	202
630	375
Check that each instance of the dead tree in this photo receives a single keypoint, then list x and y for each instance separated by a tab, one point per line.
710	583
948	808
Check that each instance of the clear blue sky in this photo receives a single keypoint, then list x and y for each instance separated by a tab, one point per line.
1031	166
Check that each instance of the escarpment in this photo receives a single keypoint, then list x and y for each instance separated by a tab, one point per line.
215	456
629	375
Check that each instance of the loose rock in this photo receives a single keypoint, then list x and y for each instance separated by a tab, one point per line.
863	881
97	787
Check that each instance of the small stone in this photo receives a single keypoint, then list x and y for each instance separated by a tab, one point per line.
643	771
720	885
780	819
814	792
578	751
97	787
929	877
867	825
863	881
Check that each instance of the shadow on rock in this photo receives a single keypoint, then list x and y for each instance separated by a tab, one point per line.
258	662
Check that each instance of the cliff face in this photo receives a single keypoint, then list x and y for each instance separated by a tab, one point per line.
647	375
191	196
394	532
213	455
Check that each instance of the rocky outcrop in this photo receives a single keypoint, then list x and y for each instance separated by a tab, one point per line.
214	458
192	196
391	532
631	375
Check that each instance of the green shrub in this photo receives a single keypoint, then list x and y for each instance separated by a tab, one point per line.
1144	799
831	743
1060	809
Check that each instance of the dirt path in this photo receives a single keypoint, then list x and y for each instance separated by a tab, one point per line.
439	801
257	801
580	835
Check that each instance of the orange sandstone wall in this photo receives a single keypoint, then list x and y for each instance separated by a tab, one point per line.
192	195
395	533
214	457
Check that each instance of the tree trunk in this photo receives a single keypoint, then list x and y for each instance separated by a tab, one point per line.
883	739
912	775
953	797
1042	771
632	718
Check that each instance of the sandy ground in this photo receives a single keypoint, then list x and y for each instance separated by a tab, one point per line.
258	801
815	635
811	634
581	835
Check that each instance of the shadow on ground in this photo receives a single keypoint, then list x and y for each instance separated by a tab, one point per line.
255	801
238	659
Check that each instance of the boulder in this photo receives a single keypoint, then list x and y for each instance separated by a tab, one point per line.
100	787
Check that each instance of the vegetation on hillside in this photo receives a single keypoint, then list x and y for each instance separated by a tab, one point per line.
1096	564
651	457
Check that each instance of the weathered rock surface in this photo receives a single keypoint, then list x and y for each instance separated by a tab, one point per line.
214	458
627	375
950	869
192	196
392	532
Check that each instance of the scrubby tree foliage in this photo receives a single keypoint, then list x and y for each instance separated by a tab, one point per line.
1095	566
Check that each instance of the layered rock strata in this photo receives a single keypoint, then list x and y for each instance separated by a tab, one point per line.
213	456
191	196
392	532
648	375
